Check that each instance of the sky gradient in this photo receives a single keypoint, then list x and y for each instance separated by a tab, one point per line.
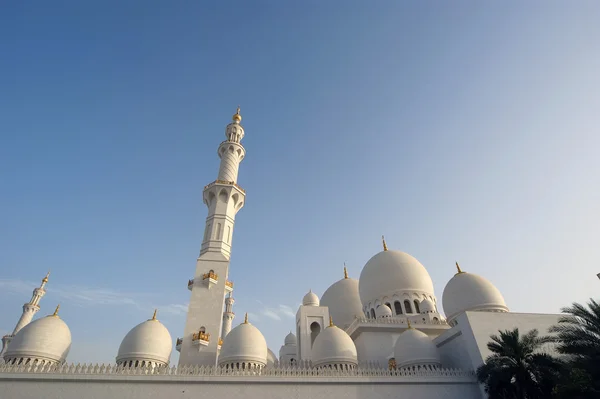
463	132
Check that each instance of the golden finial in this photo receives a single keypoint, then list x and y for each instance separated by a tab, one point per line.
56	310
330	322
408	322
237	117
246	319
45	279
345	271
458	268
384	244
154	315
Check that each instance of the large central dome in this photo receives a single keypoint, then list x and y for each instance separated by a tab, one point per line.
390	273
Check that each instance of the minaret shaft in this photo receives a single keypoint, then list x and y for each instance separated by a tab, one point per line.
224	198
228	316
29	310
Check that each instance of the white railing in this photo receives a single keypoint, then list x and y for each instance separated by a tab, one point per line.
395	320
302	372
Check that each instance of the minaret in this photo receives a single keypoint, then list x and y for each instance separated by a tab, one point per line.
29	310
224	198
228	316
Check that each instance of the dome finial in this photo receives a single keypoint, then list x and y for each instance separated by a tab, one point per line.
56	310
237	117
345	271
330	321
458	268
45	279
408	322
246	318
154	315
384	244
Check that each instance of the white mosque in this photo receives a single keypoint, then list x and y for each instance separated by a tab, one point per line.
381	336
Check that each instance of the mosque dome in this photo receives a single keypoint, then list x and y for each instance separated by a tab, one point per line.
414	347
343	300
383	312
47	339
468	291
334	347
392	272
148	342
290	339
244	346
427	306
310	299
272	360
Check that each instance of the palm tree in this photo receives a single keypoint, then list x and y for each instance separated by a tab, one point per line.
578	334
517	369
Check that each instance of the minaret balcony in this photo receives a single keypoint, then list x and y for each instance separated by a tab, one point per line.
231	183
190	284
220	342
178	344
210	278
201	338
228	286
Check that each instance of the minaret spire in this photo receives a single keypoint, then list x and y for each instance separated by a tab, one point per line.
224	198
459	271
345	271
29	310
384	244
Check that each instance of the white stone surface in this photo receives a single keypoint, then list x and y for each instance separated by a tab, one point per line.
48	338
245	343
310	321
288	353
372	385
310	299
224	198
343	300
468	291
149	341
414	347
392	276
333	347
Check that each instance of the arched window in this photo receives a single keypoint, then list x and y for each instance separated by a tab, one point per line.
417	306
373	314
398	307
388	305
315	329
435	319
407	306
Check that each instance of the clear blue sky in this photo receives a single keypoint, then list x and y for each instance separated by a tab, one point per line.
465	131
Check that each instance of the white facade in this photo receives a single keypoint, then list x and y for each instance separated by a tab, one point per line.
311	319
380	336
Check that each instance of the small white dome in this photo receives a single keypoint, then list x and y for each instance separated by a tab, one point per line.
310	299
149	341
391	272
333	346
45	339
290	339
245	343
468	291
427	306
343	300
272	360
414	347
383	311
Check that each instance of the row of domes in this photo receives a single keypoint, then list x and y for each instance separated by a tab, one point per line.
394	274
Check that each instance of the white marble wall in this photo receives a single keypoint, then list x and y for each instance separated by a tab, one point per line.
53	386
